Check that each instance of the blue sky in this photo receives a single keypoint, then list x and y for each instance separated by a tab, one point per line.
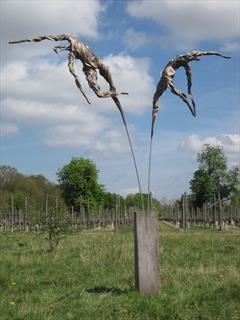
45	121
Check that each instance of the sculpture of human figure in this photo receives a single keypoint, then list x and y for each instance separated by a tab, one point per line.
91	63
167	77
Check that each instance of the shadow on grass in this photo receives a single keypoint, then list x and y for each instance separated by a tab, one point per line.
109	290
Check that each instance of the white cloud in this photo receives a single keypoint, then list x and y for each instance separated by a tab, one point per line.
98	141
8	129
132	75
229	142
134	39
69	126
26	19
189	22
34	113
50	82
41	80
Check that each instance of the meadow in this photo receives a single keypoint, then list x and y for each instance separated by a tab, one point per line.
90	275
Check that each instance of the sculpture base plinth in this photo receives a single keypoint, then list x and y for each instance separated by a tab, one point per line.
146	252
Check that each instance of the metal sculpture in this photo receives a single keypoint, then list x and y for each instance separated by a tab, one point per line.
166	82
91	63
168	73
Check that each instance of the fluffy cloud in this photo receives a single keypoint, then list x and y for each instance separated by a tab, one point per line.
26	19
34	113
50	17
229	142
132	75
66	126
189	22
134	39
46	82
97	141
8	129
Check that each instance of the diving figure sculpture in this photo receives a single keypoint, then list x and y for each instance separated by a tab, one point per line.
166	82
79	50
91	63
167	77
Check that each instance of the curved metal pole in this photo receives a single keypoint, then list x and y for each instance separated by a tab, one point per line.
135	165
149	175
117	102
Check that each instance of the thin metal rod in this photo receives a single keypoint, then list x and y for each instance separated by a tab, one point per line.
154	114
135	165
149	175
117	102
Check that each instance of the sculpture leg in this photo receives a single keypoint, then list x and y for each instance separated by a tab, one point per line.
104	72
71	61
161	87
182	96
91	76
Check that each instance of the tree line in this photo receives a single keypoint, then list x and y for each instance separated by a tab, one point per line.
77	189
78	186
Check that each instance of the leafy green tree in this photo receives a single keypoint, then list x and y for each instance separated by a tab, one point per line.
213	177
134	200
7	177
79	183
109	201
27	189
235	200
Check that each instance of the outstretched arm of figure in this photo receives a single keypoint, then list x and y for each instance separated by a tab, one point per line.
211	53
59	37
71	63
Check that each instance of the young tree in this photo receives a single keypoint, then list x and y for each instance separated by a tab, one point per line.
213	177
78	181
134	200
7	177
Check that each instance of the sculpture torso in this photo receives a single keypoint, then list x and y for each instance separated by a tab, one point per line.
81	51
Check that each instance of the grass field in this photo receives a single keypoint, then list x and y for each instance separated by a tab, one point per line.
90	276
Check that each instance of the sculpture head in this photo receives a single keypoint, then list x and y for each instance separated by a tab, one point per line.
194	55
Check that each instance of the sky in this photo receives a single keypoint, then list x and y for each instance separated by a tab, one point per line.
45	121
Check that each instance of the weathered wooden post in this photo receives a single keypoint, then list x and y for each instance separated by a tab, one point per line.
12	213
146	252
220	218
25	217
204	208
116	213
46	210
184	212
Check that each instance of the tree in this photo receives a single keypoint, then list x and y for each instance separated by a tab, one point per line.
109	201
32	189
235	200
135	201
213	177
78	181
7	177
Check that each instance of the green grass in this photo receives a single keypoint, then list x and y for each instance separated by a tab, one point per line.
90	276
